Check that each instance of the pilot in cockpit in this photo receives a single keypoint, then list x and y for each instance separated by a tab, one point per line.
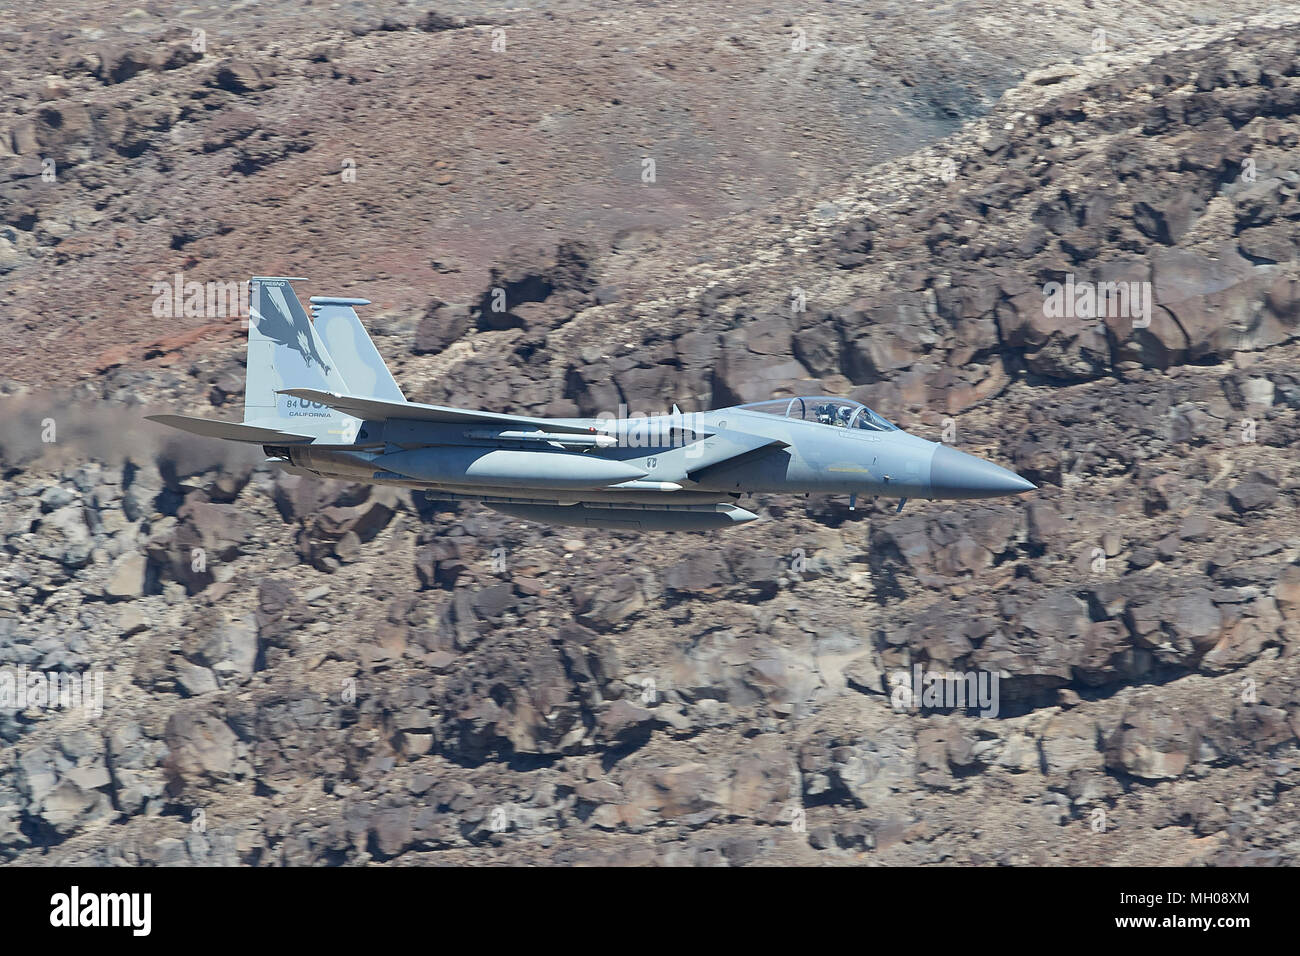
831	414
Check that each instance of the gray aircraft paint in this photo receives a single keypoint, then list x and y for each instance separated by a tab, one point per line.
827	458
321	401
507	467
346	339
284	350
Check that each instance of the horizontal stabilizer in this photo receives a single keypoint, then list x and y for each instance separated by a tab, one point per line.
230	431
378	410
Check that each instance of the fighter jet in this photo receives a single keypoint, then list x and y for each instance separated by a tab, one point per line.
321	401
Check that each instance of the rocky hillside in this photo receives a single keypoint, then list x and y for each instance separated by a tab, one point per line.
305	672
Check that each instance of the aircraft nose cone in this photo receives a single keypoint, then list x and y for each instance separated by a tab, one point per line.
955	474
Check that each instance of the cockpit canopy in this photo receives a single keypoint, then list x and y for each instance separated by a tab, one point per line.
826	409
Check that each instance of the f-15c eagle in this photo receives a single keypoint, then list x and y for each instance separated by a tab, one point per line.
320	400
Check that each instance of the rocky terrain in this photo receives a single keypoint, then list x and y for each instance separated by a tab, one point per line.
300	672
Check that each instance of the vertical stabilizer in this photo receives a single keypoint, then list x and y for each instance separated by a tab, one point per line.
285	351
360	363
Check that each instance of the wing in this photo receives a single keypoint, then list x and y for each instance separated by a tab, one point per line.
378	410
727	449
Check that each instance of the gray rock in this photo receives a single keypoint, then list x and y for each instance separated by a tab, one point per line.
126	579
